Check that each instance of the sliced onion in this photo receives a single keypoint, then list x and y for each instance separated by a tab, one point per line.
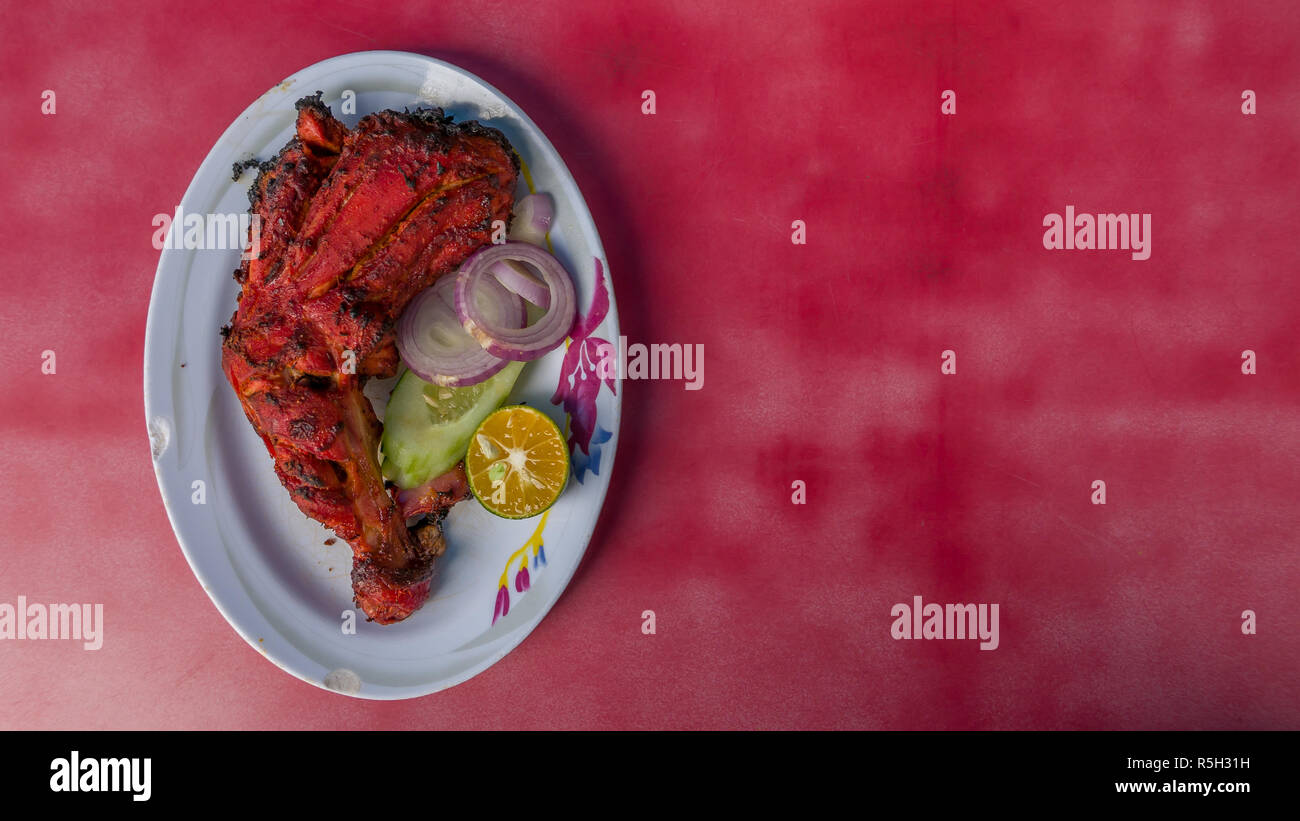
512	341
434	344
533	215
520	280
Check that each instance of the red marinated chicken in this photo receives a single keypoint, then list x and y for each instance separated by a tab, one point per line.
354	224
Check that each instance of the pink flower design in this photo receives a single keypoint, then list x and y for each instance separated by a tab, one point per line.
523	580
503	604
580	381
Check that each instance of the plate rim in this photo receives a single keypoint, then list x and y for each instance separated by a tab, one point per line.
151	376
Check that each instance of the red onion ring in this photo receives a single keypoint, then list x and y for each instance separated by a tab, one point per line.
499	338
532	220
433	343
520	280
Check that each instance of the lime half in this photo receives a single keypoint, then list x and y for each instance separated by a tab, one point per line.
517	462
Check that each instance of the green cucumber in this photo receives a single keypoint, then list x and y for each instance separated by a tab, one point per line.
427	427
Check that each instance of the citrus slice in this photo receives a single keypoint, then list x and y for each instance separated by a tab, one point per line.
517	462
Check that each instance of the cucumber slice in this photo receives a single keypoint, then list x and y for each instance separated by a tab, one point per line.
427	427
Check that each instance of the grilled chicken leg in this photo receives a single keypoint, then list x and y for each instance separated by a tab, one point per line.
355	223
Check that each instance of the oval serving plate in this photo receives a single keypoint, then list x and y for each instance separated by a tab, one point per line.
264	563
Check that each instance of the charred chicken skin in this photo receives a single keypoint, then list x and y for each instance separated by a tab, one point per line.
354	224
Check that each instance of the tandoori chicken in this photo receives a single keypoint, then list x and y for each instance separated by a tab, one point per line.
355	223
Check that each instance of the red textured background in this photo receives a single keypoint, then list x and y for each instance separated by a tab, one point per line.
822	361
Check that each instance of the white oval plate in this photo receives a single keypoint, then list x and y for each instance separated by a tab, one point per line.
262	561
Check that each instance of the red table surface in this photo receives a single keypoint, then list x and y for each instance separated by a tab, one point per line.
822	361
